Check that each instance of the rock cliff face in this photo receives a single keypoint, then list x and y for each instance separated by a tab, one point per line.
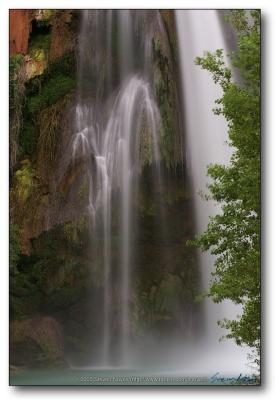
20	28
50	229
42	81
62	35
42	86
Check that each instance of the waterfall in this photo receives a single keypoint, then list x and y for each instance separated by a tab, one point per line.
125	42
118	133
199	31
110	140
206	133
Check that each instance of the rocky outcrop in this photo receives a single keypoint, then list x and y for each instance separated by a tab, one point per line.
33	67
20	28
47	40
169	21
43	335
62	36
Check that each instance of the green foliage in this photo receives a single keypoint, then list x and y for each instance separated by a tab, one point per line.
233	236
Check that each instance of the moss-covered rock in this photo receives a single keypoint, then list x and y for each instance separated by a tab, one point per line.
45	94
14	249
36	342
63	37
24	182
17	78
76	231
43	16
49	123
55	88
166	95
35	67
39	47
168	17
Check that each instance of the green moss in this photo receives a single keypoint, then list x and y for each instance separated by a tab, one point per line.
39	47
56	82
15	61
24	181
158	303
22	283
146	144
164	91
14	249
169	22
44	17
167	133
83	191
49	127
75	230
56	267
65	65
16	100
146	204
41	92
157	43
53	90
28	138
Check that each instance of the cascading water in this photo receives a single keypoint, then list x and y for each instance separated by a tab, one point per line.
114	146
118	134
206	136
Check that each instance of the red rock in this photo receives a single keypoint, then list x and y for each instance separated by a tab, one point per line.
20	28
